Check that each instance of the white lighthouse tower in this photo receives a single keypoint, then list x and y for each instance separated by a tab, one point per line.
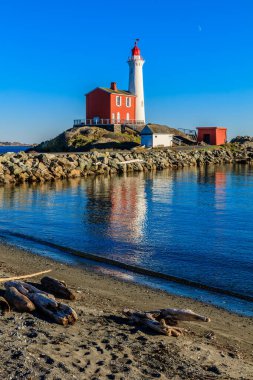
136	82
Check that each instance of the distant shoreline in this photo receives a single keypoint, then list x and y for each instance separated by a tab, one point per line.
15	144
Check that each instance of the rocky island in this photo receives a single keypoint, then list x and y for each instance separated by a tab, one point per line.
23	167
84	151
86	138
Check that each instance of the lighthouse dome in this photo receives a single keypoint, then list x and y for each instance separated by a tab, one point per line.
136	50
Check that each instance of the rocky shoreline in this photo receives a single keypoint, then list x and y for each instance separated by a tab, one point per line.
17	168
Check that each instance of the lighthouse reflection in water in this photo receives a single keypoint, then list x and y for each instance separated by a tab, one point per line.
118	205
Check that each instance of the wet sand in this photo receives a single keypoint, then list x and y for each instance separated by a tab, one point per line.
103	345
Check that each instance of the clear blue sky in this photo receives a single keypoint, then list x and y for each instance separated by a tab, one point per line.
198	70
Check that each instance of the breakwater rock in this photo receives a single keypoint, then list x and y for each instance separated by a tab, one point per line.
246	140
23	167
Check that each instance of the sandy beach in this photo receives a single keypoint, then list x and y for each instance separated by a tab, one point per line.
103	345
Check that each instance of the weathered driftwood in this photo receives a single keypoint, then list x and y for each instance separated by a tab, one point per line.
18	300
147	320
130	161
174	315
164	321
4	306
4	279
24	288
45	302
58	312
57	288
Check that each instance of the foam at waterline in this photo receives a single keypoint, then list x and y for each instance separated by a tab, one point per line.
129	267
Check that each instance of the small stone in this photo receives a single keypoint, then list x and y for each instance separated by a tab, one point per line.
214	369
16	355
32	334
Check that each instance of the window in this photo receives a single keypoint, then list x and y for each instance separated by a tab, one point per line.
127	116
118	101
113	117
96	119
118	117
128	102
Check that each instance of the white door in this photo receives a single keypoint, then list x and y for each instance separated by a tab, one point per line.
96	120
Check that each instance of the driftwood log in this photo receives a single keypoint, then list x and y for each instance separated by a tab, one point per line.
45	302
18	300
172	316
164	321
57	288
4	279
4	306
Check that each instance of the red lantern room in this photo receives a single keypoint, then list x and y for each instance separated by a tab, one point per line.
136	50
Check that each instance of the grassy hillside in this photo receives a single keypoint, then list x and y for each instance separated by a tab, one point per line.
87	138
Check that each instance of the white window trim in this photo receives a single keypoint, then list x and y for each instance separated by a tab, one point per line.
120	101
130	101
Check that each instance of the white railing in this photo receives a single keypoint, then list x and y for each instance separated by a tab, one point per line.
177	141
134	59
189	132
82	122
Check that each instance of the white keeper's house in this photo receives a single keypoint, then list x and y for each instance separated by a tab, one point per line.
153	135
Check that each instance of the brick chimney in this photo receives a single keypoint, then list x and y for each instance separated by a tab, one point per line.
114	86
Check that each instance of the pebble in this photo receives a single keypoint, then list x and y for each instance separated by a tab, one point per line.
214	369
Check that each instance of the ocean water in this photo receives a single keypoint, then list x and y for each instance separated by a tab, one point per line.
9	148
193	224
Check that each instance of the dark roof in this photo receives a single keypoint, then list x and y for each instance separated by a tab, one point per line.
123	92
211	128
110	91
156	128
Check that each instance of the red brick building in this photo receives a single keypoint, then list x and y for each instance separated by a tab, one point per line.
110	106
212	135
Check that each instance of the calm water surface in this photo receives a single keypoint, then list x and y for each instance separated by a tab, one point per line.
15	149
194	224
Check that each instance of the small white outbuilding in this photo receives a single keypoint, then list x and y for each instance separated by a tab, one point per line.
153	135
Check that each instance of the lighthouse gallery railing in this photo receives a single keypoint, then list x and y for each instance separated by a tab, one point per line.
87	122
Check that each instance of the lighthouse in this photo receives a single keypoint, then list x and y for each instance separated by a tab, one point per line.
112	108
136	63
